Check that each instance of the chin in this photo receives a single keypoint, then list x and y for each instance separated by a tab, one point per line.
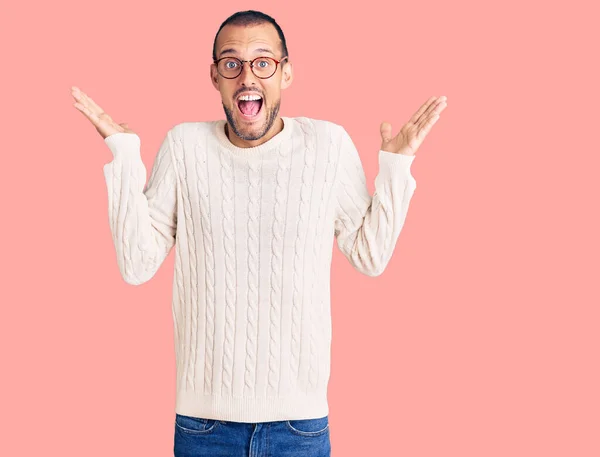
245	130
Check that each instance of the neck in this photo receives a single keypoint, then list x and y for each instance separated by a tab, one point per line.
237	141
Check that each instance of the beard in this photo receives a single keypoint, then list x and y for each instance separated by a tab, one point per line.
251	133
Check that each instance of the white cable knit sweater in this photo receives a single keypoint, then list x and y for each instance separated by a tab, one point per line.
253	231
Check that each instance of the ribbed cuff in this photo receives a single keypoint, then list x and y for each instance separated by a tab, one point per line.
392	163
124	145
395	161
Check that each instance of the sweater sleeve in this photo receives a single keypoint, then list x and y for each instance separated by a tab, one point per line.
367	227
142	218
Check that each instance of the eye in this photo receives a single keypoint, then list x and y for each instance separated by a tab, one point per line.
262	63
232	62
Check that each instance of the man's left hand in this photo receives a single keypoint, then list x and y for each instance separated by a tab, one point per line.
413	133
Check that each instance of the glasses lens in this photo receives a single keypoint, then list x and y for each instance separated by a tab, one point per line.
230	67
264	67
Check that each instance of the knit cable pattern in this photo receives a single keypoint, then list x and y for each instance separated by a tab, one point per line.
191	322
254	208
278	229
313	370
253	227
228	226
202	167
306	194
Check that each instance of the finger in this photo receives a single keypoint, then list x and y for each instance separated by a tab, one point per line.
86	101
83	101
415	117
427	113
435	111
93	117
441	106
431	108
125	127
94	104
425	127
386	131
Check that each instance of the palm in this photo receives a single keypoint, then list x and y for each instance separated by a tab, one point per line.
412	134
102	121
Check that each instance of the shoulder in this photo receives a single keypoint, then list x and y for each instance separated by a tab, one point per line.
185	135
321	124
319	127
188	129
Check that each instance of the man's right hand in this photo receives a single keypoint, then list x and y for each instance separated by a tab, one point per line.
102	121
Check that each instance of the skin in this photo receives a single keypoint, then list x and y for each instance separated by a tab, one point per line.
95	114
412	134
246	41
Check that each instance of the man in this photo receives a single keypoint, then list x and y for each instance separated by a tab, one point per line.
252	204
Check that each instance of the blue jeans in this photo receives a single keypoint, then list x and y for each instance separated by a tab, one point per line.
200	437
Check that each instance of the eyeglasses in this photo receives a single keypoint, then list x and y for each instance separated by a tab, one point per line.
262	67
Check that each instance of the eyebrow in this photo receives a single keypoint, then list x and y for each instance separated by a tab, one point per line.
233	51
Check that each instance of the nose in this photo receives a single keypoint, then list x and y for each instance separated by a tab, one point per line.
247	77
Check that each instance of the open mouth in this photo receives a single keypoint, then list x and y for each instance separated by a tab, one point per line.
250	109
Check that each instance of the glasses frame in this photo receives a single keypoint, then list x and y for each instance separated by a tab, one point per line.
251	65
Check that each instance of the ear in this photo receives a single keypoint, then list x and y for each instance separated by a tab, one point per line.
214	76
287	75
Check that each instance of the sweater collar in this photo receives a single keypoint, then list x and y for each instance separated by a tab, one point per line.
271	145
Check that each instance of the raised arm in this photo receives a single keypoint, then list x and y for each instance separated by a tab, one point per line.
367	226
143	219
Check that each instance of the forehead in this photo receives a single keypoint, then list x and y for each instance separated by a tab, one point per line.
255	39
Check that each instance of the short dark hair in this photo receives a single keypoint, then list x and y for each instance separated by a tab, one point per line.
249	18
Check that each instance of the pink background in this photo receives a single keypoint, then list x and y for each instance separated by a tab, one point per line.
481	335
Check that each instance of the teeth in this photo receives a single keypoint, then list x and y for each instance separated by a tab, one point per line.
249	97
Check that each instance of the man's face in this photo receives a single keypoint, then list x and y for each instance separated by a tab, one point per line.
247	43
